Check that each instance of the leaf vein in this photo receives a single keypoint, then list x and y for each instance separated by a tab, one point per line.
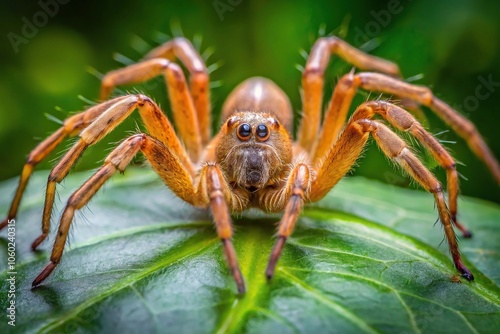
341	310
120	285
397	292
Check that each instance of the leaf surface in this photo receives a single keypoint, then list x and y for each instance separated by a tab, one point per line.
365	259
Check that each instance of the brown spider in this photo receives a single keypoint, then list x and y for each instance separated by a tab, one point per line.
253	161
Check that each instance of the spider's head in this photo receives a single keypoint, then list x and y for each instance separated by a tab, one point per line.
254	149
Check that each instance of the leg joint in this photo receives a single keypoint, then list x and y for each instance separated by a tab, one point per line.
347	80
450	165
366	125
298	192
176	70
216	194
125	152
143	99
312	74
73	201
53	177
436	188
33	159
56	175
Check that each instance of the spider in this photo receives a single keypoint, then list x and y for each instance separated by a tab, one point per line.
253	160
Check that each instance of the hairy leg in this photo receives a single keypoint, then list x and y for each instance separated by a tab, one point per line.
211	191
346	150
184	112
344	93
155	64
213	188
313	80
404	121
291	197
155	121
71	127
117	160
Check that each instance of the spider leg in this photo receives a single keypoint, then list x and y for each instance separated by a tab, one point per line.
71	126
184	112
346	88
313	80
182	49
210	191
404	121
213	188
119	158
345	151
291	197
155	121
195	105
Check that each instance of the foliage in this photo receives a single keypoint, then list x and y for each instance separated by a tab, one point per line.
367	258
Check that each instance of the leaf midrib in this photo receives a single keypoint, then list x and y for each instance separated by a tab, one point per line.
254	268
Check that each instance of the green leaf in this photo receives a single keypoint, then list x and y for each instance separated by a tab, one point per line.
365	259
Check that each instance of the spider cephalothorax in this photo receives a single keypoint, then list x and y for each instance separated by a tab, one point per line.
252	161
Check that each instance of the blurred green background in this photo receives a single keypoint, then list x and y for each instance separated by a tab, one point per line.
452	43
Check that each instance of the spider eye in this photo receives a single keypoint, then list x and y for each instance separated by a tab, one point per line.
244	131
262	132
